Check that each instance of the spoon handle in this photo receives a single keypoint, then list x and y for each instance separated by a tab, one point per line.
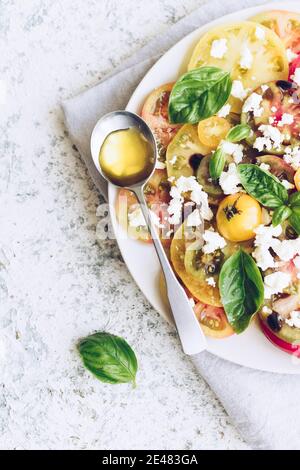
189	330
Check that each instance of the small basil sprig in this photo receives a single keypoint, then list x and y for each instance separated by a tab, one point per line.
263	186
269	191
109	358
218	158
199	94
242	289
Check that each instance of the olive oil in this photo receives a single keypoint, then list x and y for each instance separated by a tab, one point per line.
126	157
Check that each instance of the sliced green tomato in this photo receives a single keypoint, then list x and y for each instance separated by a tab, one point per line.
213	321
155	113
285	24
278	167
182	152
269	56
197	286
276	102
212	188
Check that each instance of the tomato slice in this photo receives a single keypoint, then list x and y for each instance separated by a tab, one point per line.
293	66
285	24
278	167
268	56
278	99
290	348
155	113
213	321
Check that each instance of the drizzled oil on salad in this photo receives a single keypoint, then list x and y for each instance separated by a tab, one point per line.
226	191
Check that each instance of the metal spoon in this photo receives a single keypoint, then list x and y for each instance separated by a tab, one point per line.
191	335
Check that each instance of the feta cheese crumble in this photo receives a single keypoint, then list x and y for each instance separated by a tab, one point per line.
192	302
224	111
197	195
235	150
272	138
296	76
292	157
213	240
264	240
173	160
211	282
264	166
287	249
246	59
252	104
291	55
264	88
286	119
275	283
287	184
260	33
238	90
194	219
294	319
160	165
230	179
218	48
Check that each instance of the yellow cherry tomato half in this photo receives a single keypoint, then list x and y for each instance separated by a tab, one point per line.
212	131
297	179
237	217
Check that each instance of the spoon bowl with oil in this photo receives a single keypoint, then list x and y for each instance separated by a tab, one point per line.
124	152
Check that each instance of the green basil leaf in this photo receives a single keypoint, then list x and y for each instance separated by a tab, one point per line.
199	94
109	358
263	186
238	133
294	200
294	220
216	163
280	215
242	289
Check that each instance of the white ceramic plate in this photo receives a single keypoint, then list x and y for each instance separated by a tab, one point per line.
251	348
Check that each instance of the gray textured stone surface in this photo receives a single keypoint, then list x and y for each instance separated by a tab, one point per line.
56	283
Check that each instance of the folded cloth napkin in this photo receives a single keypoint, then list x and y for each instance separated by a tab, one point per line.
264	407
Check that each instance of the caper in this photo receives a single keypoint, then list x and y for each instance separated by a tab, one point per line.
274	322
291	233
284	84
194	161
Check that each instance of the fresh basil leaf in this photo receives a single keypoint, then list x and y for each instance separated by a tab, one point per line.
280	215
294	200
242	289
199	94
238	133
294	220
216	163
109	358
263	186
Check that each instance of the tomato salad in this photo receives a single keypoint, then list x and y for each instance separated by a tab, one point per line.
226	191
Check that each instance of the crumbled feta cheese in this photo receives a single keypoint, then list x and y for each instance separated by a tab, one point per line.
224	111
211	282
291	55
287	184
246	59
264	240
287	249
171	179
235	150
238	90
296	76
260	33
230	179
286	119
160	165
271	120
252	104
218	48
264	88
194	219
173	160
266	310
275	283
192	302
264	166
294	319
136	218
292	157
273	109
187	185
296	262
272	138
213	240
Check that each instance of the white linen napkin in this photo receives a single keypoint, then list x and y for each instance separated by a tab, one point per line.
265	407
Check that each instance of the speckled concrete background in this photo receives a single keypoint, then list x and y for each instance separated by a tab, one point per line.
56	283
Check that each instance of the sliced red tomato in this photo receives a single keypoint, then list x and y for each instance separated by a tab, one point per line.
290	348
155	113
285	24
278	167
293	66
213	321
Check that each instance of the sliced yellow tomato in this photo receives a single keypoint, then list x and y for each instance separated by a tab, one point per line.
183	151
212	131
213	321
267	56
198	287
237	217
285	24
